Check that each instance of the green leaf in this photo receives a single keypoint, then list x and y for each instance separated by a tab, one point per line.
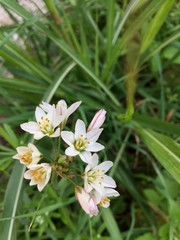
111	224
156	24
147	236
165	149
8	134
11	201
157	124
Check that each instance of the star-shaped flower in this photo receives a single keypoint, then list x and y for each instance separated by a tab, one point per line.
81	142
46	125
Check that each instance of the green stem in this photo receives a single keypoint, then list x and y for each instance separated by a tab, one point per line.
52	8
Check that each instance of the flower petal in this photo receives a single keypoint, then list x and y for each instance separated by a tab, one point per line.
94	147
57	133
85	156
68	137
94	134
97	120
80	128
88	188
17	156
106	204
104	166
108	181
38	135
31	127
98	187
110	192
22	150
45	106
72	108
87	202
39	113
61	108
70	151
28	174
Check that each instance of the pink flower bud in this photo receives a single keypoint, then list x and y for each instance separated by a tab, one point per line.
86	201
97	120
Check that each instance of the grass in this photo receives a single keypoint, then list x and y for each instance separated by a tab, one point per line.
111	55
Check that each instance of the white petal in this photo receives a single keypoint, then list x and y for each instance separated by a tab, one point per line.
28	174
93	135
68	137
61	108
17	156
22	150
109	192
88	188
56	119
94	147
57	133
46	106
108	181
35	157
33	148
80	128
97	197
105	205
92	162
32	182
39	113
98	187
31	127
85	156
104	166
38	135
70	151
72	108
40	186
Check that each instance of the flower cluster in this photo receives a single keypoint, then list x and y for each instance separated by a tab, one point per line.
51	120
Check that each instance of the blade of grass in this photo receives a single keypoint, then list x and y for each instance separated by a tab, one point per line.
111	224
156	124
156	24
166	151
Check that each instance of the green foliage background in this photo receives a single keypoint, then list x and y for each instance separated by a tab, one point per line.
122	56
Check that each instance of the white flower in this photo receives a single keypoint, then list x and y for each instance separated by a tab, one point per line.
86	201
82	143
104	201
46	125
95	177
61	109
28	155
97	120
39	175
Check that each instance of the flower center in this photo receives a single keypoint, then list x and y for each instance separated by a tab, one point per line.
81	143
104	201
38	175
27	158
46	126
95	175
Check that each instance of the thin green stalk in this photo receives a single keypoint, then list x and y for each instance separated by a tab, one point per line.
132	222
119	155
97	49
52	8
